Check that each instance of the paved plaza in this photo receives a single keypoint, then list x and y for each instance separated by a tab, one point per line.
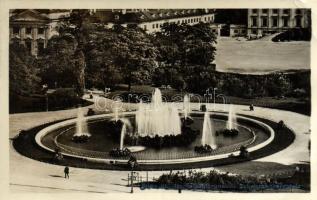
261	56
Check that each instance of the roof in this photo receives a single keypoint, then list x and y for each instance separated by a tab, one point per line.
149	15
28	16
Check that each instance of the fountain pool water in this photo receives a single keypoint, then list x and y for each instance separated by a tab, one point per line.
208	136
157	118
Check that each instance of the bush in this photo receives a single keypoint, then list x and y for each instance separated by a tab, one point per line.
120	152
184	139
63	98
80	139
203	149
228	132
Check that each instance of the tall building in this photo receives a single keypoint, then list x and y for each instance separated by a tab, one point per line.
35	27
268	21
151	20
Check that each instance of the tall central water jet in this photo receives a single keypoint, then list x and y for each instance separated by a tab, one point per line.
208	137
157	118
232	119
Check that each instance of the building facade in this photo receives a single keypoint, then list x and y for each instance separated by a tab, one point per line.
34	28
151	20
269	21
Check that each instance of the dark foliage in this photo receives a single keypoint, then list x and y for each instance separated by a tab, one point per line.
80	139
228	132
63	98
184	139
203	149
120	152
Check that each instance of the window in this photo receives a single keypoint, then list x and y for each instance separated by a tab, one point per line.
144	27
275	11
298	21
285	22
254	21
253	31
264	21
41	31
274	22
286	11
254	11
236	31
16	30
298	11
265	11
157	25
28	31
153	25
191	20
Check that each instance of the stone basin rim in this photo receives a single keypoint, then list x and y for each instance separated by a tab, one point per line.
45	131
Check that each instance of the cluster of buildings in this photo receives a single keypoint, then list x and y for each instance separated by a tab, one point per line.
35	27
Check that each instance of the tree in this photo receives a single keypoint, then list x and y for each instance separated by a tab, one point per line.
23	71
135	55
63	63
190	51
78	26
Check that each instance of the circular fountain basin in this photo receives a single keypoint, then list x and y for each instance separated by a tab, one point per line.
253	134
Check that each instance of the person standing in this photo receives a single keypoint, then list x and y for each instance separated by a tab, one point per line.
66	172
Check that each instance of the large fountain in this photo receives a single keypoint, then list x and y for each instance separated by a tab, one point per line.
157	118
157	132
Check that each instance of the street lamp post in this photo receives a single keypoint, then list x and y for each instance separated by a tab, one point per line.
132	180
214	90
46	102
132	162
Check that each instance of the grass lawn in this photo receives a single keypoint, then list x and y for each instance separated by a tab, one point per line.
292	104
260	56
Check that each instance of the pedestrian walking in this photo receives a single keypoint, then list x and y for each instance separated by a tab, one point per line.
66	172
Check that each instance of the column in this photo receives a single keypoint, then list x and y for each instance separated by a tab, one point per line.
259	24
280	18
292	18
269	18
249	18
22	33
218	30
